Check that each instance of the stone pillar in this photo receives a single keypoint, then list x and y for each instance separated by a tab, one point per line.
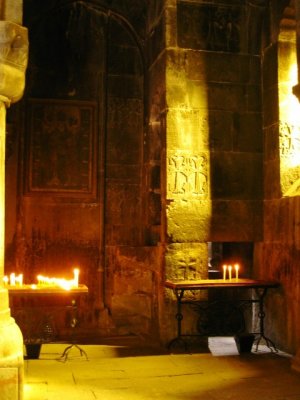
296	88
184	166
296	91
13	62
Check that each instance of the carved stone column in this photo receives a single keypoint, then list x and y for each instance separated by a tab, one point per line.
296	91
13	62
296	88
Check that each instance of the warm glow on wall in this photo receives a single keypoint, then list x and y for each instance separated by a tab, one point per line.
2	188
188	150
289	117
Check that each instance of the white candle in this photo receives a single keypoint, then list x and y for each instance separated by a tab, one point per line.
224	271
229	271
236	271
19	280
76	277
12	279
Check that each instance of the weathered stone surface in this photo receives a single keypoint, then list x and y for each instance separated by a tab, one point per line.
9	378
271	143
270	106
248	135
236	221
206	27
188	129
194	152
12	11
282	221
170	25
124	173
133	278
156	41
124	205
272	187
236	176
186	261
289	179
280	261
13	60
221	130
270	66
59	221
125	130
254	99
11	355
210	67
154	12
188	220
188	175
155	209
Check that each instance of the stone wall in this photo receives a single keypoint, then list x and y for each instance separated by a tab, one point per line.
79	196
165	103
277	257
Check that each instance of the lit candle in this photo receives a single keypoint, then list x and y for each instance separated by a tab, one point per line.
76	277
236	271
19	280
5	280
224	271
229	271
12	279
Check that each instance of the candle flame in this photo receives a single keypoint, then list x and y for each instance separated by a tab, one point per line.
45	281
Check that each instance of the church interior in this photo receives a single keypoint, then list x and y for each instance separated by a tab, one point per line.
149	159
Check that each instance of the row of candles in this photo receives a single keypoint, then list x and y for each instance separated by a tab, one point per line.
230	269
44	281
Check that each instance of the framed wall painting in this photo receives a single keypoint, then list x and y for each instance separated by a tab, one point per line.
61	147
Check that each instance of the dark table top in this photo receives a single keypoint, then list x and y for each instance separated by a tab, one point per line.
34	290
220	283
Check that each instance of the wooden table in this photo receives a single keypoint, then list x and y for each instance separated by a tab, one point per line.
260	289
35	290
25	304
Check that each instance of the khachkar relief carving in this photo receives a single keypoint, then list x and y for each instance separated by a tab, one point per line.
60	147
187	175
186	262
289	140
187	269
210	27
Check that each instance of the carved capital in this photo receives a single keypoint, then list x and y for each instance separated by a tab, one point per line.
13	60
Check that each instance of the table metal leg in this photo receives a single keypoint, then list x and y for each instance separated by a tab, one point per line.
261	315
65	354
73	324
179	318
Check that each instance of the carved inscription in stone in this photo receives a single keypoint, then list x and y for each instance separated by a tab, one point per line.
187	269
124	110
289	139
209	27
187	175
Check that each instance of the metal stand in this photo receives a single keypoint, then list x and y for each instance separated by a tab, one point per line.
179	317
261	315
73	324
260	293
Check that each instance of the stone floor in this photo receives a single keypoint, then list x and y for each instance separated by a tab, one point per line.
119	373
